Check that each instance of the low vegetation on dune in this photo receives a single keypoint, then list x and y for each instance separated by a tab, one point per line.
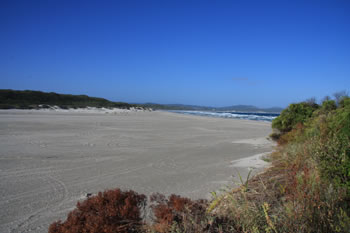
306	188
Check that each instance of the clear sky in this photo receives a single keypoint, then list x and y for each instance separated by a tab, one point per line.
213	53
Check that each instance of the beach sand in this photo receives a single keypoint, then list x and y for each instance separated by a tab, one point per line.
49	160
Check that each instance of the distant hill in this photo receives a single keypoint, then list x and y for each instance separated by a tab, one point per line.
11	99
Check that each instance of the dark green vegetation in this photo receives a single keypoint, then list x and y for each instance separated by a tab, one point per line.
294	114
10	99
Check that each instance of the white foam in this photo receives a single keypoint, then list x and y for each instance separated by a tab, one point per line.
235	115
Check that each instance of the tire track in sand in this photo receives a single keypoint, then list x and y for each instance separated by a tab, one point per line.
59	191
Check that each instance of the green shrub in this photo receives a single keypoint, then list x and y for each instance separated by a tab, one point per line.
328	105
294	114
327	131
345	102
314	148
333	148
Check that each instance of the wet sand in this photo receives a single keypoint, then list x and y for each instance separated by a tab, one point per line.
50	160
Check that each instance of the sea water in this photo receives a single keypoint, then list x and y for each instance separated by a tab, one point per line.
257	116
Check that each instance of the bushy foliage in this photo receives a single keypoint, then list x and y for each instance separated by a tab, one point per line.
327	130
294	114
328	105
307	188
317	151
332	147
110	211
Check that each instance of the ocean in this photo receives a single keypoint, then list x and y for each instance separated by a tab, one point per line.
256	116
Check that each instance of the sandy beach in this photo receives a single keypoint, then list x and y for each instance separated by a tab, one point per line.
52	159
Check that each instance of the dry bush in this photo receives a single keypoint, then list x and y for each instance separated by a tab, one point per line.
118	211
110	211
253	207
179	214
174	210
288	197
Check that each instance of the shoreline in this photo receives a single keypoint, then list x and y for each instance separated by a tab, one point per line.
256	116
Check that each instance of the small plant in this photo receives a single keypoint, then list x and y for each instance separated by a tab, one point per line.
244	184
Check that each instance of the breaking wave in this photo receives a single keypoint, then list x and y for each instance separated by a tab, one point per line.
257	116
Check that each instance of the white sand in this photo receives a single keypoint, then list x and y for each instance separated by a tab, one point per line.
51	159
252	162
263	141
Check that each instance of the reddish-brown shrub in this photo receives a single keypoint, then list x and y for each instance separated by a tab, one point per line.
110	211
118	211
178	210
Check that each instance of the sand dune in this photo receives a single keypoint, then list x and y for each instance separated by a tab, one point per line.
51	159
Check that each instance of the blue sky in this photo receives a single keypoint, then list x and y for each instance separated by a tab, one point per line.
214	53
